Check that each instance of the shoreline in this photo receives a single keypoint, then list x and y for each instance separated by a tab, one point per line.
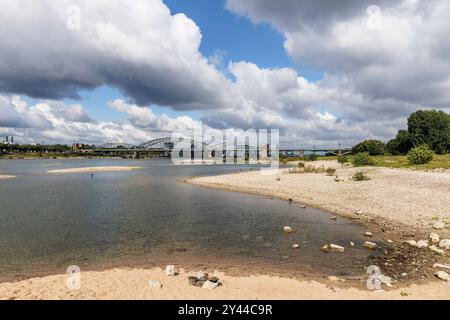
133	283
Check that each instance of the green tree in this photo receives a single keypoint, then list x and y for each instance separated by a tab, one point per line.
430	127
372	147
401	144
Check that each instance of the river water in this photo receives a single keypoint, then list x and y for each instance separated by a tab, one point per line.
150	217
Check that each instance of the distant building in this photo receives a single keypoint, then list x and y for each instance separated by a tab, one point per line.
81	148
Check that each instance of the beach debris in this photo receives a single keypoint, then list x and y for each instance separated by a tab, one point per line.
336	248
202	278
352	244
440	265
390	241
439	225
368	234
422	244
155	284
358	212
434	237
287	229
412	243
437	250
325	248
443	275
337	279
334	218
295	246
369	245
404	274
444	244
170	271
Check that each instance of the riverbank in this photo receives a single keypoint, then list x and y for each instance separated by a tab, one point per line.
134	284
95	169
396	202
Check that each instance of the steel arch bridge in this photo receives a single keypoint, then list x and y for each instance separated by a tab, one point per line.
116	145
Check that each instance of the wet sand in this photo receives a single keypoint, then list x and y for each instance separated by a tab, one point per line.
94	169
134	284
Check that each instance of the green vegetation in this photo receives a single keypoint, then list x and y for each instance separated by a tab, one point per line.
420	155
342	159
363	159
401	144
330	171
360	176
372	147
311	169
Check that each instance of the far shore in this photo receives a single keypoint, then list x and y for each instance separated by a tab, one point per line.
95	169
134	284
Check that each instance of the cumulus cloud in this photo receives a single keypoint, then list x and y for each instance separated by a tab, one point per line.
137	46
373	73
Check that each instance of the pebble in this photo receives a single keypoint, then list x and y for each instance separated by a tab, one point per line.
359	212
438	225
287	229
437	250
368	234
303	206
434	238
295	246
443	275
440	265
422	244
390	241
412	243
444	244
352	244
370	245
325	248
155	284
170	271
210	285
336	248
334	218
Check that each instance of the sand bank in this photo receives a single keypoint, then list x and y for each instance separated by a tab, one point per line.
6	177
133	284
392	198
94	169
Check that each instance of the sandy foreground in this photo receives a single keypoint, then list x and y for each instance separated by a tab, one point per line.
394	197
94	169
134	284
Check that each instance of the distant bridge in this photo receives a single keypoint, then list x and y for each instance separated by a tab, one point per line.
163	147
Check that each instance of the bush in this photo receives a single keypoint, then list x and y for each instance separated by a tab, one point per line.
312	157
360	176
301	164
372	147
420	155
330	171
363	159
342	159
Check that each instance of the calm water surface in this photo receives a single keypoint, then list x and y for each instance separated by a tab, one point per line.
148	217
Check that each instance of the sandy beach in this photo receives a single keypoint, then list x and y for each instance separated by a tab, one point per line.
94	169
395	201
134	284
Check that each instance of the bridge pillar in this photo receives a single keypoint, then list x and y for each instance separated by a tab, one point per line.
302	153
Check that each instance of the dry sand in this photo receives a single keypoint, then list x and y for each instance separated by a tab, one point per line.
133	284
6	177
394	198
94	169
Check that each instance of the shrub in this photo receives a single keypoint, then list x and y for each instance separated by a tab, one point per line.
360	176
372	147
342	159
363	159
420	155
301	164
330	171
312	157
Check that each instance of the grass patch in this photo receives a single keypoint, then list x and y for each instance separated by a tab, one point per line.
360	176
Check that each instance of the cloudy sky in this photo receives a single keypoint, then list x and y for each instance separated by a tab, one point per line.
323	72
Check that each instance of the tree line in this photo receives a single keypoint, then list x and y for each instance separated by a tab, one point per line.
430	128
